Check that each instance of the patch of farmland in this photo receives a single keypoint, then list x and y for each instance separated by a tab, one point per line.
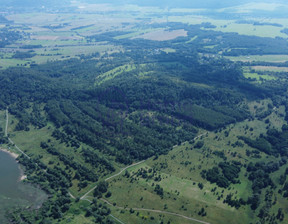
162	35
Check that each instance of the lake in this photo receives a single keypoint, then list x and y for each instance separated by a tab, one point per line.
13	192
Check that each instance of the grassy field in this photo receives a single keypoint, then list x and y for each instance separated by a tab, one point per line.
113	73
162	35
63	35
270	68
232	25
265	58
180	175
256	76
29	142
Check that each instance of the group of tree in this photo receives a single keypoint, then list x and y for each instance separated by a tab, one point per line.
223	177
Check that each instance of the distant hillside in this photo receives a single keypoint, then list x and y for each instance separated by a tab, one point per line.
33	3
210	4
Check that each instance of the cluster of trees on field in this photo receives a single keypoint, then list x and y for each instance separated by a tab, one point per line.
223	177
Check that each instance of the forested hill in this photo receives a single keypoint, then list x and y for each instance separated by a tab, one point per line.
138	112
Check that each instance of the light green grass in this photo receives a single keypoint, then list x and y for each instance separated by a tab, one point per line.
6	63
192	39
264	58
232	26
136	33
169	50
113	73
270	68
250	29
249	75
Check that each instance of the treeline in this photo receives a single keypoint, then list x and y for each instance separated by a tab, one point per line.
81	172
94	124
273	143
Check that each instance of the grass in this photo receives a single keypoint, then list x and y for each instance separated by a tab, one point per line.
250	29
2	120
180	174
113	73
135	34
232	26
264	58
30	142
169	50
270	68
256	76
162	35
6	63
146	217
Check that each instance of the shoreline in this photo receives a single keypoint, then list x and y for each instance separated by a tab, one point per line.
22	176
13	154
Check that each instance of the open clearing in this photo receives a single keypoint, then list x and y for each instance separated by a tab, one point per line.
270	68
265	58
162	35
258	77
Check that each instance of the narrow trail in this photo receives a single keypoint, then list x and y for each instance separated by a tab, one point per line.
117	219
156	211
107	179
141	209
115	175
199	136
127	167
9	139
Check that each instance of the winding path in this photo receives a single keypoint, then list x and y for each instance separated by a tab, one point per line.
156	211
140	209
107	179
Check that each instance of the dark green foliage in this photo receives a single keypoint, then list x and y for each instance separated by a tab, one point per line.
254	201
203	117
200	185
234	202
273	143
8	36
285	31
220	154
92	158
23	55
199	144
259	175
82	172
101	188
98	211
228	174
202	212
159	190
260	143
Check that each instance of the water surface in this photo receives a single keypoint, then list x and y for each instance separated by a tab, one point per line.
13	192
